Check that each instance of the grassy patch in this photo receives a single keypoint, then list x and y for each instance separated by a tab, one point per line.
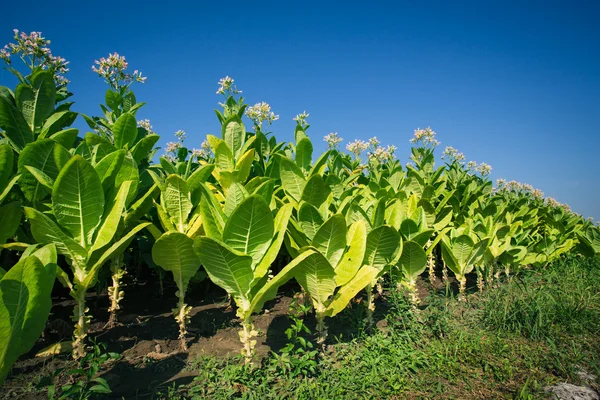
508	342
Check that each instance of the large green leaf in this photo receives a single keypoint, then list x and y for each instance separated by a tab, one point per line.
125	131
462	247
281	222
45	155
315	191
304	150
109	167
78	199
24	307
174	252
223	155
6	164
234	134
227	268
413	260
365	275
114	250
310	220
382	245
16	129
36	102
177	201
110	224
10	218
250	228
46	231
143	147
317	277
269	290
330	239
353	257
235	196
292	178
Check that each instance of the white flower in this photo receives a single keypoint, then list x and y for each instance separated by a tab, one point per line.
226	87
357	147
484	169
261	112
424	137
181	135
301	119
145	123
452	155
332	140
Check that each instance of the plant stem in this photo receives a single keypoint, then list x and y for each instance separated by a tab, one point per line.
182	316
81	323
246	335
321	327
463	287
115	293
480	280
431	266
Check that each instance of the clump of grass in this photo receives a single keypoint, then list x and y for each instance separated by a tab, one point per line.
562	299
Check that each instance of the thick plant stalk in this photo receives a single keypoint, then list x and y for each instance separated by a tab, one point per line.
445	274
321	328
246	337
462	288
480	280
431	265
182	316
380	285
82	322
115	293
413	293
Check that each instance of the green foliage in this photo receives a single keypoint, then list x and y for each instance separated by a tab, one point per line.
24	304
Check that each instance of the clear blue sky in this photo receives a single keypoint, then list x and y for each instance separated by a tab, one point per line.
515	84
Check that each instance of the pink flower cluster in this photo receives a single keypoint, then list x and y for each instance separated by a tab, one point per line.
33	50
112	69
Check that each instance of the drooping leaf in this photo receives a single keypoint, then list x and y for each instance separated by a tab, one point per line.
25	303
346	293
310	220
317	277
227	268
353	257
413	260
174	252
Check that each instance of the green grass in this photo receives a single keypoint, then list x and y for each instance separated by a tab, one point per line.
508	342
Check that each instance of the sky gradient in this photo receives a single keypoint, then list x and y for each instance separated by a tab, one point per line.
513	84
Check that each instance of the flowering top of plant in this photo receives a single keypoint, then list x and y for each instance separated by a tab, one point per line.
33	50
112	69
333	140
357	147
301	119
181	135
519	188
452	155
261	112
226	87
203	152
145	123
425	137
382	154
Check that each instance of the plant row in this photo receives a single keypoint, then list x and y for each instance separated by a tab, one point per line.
244	210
